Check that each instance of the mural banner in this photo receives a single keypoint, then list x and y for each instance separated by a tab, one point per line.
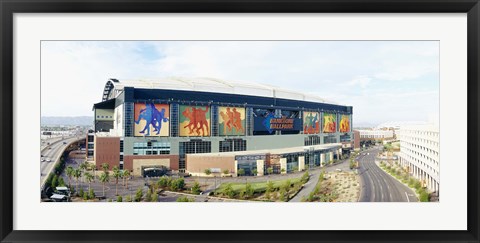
231	121
311	122
151	120
329	122
345	123
194	121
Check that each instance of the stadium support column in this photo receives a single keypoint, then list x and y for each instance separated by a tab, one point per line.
322	159
260	166
235	173
301	163
283	165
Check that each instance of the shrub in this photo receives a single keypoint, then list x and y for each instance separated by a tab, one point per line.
269	170
423	196
138	195
229	191
128	198
81	192
249	190
109	200
163	182
185	199
154	197
305	177
85	196
148	196
119	199
282	196
269	186
91	194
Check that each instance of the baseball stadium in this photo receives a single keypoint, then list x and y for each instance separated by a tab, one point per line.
189	126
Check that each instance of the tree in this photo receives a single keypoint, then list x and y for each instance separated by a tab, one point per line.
254	172
104	178
269	170
241	172
196	188
77	173
126	177
282	170
89	178
61	182
54	182
69	172
116	175
83	166
105	167
226	172
207	172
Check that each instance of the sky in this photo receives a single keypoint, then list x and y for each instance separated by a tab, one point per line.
384	81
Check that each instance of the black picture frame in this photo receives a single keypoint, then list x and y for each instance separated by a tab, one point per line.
9	7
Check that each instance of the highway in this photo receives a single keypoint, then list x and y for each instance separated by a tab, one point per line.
377	185
57	148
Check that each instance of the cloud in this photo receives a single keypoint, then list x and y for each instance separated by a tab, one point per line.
371	76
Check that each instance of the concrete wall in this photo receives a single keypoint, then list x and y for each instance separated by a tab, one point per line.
107	150
253	142
131	161
197	165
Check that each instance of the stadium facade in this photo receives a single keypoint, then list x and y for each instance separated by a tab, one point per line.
190	125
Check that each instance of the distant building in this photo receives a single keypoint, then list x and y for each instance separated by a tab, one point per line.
376	134
419	148
356	139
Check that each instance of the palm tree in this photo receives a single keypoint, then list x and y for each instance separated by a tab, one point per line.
69	172
89	178
126	174
83	166
93	167
77	173
105	167
104	178
116	174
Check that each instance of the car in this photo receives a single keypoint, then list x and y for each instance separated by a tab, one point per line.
338	170
41	155
49	160
49	147
43	160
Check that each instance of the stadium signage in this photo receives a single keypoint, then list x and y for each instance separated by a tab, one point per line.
273	123
281	123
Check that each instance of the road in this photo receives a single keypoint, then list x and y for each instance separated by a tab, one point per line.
314	175
377	185
57	148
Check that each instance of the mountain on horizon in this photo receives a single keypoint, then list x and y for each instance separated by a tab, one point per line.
67	120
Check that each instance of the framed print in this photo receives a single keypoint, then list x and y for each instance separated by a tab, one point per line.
273	121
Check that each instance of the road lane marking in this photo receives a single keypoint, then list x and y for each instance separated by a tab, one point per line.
407	196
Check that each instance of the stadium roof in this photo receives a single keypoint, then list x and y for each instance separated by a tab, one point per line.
208	85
